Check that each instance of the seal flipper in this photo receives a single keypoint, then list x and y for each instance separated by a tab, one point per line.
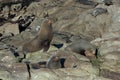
46	46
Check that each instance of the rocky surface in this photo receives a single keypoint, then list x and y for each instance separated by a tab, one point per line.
96	21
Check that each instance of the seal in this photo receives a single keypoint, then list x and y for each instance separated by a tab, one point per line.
42	39
54	62
83	47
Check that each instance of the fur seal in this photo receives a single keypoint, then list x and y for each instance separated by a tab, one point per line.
42	39
54	62
83	47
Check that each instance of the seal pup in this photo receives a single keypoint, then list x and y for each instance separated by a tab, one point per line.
54	62
82	47
42	39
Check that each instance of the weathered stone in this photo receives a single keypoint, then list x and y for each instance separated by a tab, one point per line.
110	74
15	71
7	56
10	28
98	11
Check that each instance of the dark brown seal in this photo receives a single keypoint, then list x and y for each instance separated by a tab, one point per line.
42	39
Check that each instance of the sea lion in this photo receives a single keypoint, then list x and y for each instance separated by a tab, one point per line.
42	39
83	47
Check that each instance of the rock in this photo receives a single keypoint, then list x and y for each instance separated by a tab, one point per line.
110	74
66	74
98	11
110	68
35	8
5	75
15	71
35	25
10	28
7	56
108	2
87	2
41	56
112	56
25	21
109	46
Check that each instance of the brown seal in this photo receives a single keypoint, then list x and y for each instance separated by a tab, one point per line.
42	39
83	47
53	62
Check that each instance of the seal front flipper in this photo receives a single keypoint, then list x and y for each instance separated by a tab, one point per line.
46	45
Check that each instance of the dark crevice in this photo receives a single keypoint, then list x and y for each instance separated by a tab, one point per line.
14	52
28	69
58	45
23	23
62	61
96	53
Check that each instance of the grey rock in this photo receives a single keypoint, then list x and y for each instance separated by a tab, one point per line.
98	11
